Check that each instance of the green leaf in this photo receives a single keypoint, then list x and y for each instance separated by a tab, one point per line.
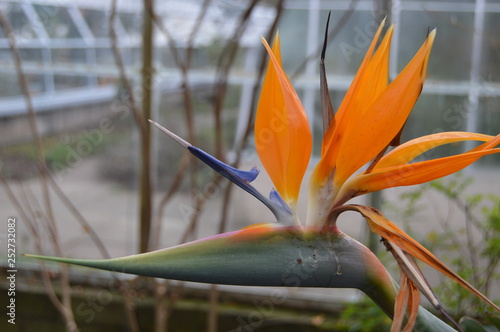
494	319
470	324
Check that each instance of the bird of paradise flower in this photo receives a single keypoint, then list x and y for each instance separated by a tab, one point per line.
287	253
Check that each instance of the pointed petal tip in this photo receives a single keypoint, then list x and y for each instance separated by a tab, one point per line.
176	138
281	115
264	41
432	34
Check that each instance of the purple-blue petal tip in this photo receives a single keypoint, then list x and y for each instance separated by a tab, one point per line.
275	197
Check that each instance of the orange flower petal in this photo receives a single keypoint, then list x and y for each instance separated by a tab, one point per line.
410	150
367	136
372	75
372	83
282	135
332	137
409	174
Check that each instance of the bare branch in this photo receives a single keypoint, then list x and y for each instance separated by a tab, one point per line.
66	291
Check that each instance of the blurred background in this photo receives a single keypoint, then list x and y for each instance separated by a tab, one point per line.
86	177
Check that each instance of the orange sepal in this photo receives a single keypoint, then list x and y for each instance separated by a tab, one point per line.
408	297
370	134
413	304
400	304
282	135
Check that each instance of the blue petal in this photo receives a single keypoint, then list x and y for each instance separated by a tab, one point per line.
233	174
276	198
242	179
248	176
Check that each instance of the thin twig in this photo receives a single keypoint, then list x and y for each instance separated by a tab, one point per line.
140	119
161	305
174	187
240	146
183	66
196	29
331	36
141	123
29	215
79	217
66	291
225	63
132	103
198	208
170	40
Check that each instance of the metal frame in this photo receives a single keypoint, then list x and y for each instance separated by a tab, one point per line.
92	69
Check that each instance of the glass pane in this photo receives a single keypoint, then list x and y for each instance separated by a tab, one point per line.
9	84
20	24
205	57
490	70
165	57
437	113
451	53
36	83
128	56
346	51
294	22
489	115
107	80
446	1
63	82
97	22
32	55
68	56
6	57
104	56
131	23
489	123
57	22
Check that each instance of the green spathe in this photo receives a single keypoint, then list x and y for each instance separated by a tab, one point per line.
268	255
